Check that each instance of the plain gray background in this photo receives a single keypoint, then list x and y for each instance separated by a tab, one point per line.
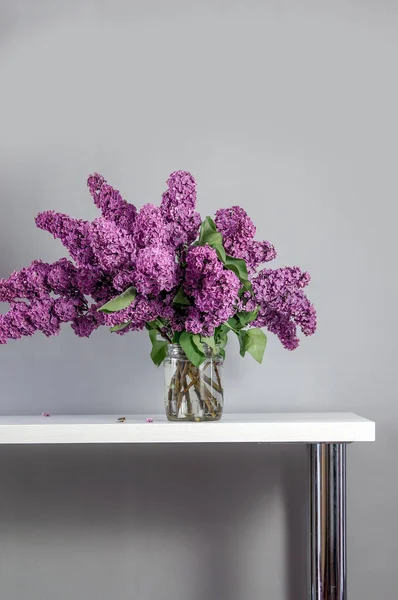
289	109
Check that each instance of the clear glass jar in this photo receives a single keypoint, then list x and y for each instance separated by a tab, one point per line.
193	393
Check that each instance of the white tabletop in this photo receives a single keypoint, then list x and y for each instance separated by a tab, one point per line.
240	428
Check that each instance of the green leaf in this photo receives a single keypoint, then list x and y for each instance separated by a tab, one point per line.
159	352
119	302
211	223
153	335
181	298
176	337
247	287
254	342
222	353
219	248
238	266
194	355
208	233
159	348
197	343
233	323
242	342
222	342
246	317
120	326
210	341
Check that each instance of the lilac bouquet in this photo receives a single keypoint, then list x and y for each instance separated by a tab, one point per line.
188	281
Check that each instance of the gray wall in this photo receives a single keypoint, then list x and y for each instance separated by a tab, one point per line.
290	109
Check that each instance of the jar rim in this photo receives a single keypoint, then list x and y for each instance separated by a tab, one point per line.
176	350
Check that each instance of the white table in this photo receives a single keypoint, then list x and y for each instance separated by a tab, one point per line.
327	435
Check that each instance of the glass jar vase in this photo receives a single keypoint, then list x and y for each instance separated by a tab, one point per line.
193	393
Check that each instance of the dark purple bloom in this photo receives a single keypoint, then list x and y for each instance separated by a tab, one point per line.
62	277
112	247
283	304
123	280
201	262
84	325
112	205
67	309
73	233
29	282
213	288
140	312
16	323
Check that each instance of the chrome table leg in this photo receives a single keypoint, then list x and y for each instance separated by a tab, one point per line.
328	556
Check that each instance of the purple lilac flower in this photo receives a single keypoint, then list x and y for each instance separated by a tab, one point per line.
151	251
43	317
96	283
283	304
62	277
218	294
73	233
141	311
29	282
258	253
150	228
213	288
112	205
67	309
123	280
237	230
156	270
281	325
112	247
178	208
84	325
201	261
16	323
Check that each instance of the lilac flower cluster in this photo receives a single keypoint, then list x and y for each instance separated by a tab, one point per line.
180	281
283	304
238	232
213	289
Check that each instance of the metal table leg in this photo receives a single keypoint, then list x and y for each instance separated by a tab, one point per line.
328	556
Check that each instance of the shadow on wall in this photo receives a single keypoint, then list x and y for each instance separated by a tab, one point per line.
203	516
